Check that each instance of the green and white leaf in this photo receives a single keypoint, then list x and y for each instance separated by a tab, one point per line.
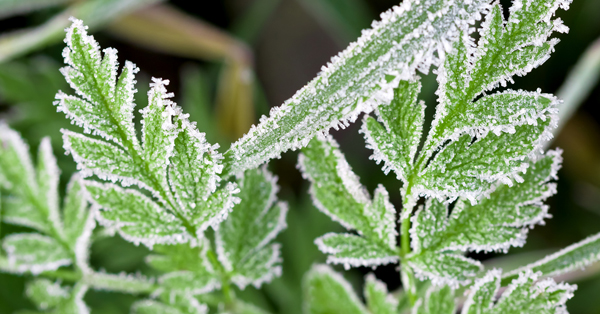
172	160
35	253
469	169
187	269
475	139
31	199
524	294
244	240
573	257
505	49
336	191
326	291
379	300
51	298
497	222
21	204
48	176
358	79
78	221
173	304
396	141
437	300
46	294
135	216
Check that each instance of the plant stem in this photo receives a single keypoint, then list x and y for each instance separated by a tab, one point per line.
99	281
228	295
406	274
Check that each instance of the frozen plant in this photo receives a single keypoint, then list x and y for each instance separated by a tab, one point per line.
475	182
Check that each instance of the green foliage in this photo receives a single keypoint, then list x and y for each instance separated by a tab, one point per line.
244	239
476	182
172	161
51	297
575	256
336	192
183	271
32	200
358	79
525	292
495	223
326	291
436	300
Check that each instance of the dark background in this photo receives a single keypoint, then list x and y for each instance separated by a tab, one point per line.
289	48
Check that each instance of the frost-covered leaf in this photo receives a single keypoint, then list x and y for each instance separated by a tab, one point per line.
444	268
51	298
31	199
244	240
194	176
497	222
158	131
505	49
46	294
353	250
326	291
379	301
396	141
48	176
359	78
186	268
524	294
172	160
35	253
573	257
194	167
19	180
174	304
336	191
437	300
103	108
75	210
467	168
105	160
475	138
137	217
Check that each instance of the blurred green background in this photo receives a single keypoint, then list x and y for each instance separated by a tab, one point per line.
228	62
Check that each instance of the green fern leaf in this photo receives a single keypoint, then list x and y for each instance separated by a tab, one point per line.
437	300
326	291
186	268
172	160
244	239
495	223
31	199
337	193
379	301
525	292
473	135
